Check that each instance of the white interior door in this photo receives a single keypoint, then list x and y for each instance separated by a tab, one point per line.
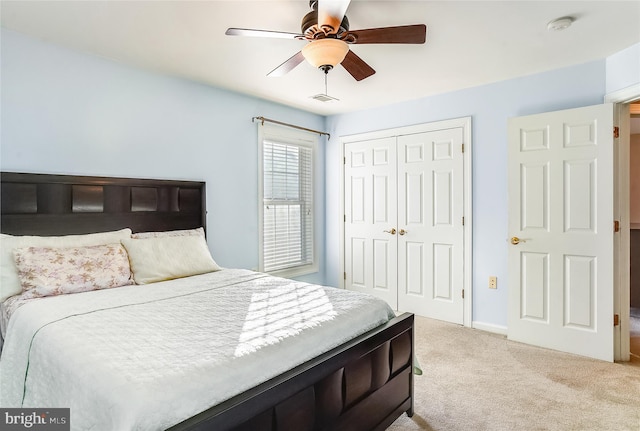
370	238
431	235
560	172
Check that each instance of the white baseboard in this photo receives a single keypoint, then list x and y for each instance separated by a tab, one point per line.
490	327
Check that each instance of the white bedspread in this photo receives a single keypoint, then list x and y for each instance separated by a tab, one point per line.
148	357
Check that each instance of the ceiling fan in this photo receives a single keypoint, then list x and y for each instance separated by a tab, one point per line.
326	28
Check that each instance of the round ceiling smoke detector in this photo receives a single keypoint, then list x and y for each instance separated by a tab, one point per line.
560	23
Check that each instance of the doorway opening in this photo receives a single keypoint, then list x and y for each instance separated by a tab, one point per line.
634	231
624	100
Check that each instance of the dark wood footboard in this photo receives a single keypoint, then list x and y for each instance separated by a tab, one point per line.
364	384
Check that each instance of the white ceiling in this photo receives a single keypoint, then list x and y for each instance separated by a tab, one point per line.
469	43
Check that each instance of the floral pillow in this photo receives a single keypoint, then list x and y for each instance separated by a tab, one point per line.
47	271
9	280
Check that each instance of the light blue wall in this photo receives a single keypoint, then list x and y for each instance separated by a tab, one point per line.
68	112
489	106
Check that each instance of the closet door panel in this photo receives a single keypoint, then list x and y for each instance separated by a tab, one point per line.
430	166
371	245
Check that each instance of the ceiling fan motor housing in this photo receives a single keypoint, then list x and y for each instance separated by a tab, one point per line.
310	27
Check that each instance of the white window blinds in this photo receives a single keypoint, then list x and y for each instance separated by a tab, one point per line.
287	205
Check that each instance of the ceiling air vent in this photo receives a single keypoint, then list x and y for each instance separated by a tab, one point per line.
324	98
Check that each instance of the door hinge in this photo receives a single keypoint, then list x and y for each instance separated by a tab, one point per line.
344	160
345	275
462	293
616	132
462	221
616	320
463	148
345	218
616	226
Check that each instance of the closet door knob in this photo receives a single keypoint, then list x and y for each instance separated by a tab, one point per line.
392	231
402	232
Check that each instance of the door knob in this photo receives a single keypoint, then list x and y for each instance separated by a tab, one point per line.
392	231
515	240
402	232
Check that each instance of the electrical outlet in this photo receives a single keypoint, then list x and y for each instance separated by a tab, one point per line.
493	282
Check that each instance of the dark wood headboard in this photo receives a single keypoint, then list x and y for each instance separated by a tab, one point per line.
44	204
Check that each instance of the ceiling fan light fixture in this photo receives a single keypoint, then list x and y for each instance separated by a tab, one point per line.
325	52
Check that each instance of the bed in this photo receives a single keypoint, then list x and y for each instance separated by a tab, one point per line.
361	382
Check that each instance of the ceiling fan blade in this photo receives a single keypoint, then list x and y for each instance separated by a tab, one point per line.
330	14
357	67
262	33
287	66
402	34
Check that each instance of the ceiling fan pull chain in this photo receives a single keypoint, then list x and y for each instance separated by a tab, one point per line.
325	82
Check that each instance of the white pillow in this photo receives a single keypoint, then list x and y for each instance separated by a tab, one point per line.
168	257
48	271
9	281
186	232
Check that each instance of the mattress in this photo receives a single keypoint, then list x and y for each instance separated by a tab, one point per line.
147	357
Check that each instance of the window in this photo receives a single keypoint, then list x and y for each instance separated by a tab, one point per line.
286	201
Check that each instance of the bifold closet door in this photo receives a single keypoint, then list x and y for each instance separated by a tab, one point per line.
404	236
430	211
371	239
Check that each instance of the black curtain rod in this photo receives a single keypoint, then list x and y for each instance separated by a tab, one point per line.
263	119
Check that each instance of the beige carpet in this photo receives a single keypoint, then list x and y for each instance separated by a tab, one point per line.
474	380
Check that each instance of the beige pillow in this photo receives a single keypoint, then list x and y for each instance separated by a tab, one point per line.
9	281
186	232
169	257
48	271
